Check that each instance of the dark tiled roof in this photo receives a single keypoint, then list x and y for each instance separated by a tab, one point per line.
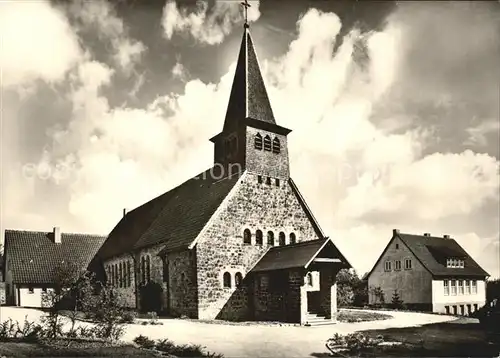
433	251
33	255
174	218
248	96
296	255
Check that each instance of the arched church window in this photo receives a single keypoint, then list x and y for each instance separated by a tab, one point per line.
309	279
258	237
226	280
143	270
282	240
276	145
165	269
116	275
258	141
247	237
270	238
112	275
148	269
238	279
129	274
120	274
293	239
267	143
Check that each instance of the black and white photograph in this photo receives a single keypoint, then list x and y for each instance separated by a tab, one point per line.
242	178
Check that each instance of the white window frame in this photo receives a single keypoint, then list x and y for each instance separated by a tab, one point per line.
446	285
408	264
397	265
474	287
453	285
388	266
460	287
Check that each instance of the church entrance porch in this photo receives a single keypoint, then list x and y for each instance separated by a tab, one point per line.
296	283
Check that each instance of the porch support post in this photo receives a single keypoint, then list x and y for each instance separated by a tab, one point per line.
333	301
303	304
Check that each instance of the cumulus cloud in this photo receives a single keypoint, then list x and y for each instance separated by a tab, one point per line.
28	54
362	148
101	16
206	25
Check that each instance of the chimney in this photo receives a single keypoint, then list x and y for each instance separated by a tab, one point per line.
446	236
124	212
57	235
427	234
395	231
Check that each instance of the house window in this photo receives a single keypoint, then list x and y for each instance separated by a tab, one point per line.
268	181
44	290
446	287
267	143
247	237
447	308
259	179
165	269
309	279
258	141
293	239
282	239
226	280
31	290
238	279
475	307
407	264
276	145
455	310
258	237
460	287
474	287
467	287
277	181
388	266
469	309
270	238
462	310
453	287
397	246
264	282
397	265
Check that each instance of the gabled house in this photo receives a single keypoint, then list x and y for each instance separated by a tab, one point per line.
238	241
32	257
428	273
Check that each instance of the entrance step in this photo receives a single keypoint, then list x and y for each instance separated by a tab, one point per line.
314	319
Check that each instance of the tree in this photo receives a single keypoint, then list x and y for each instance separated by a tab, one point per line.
396	301
377	294
351	290
492	289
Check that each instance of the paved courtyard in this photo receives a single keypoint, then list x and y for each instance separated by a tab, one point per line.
251	340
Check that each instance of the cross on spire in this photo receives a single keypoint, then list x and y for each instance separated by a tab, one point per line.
245	5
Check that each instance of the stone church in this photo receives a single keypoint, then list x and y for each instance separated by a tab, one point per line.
238	241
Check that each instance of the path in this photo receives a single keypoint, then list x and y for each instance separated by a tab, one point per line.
252	340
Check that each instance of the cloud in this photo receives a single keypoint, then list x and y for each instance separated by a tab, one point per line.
101	16
32	33
478	133
208	26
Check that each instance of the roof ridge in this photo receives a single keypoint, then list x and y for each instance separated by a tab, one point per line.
49	232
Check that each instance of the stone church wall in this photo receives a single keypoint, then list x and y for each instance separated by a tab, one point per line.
256	206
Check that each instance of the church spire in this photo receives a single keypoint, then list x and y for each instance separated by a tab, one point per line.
248	97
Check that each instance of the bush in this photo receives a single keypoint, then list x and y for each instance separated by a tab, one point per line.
167	346
128	317
353	344
29	331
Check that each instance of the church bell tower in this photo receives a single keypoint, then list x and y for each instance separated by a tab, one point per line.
250	138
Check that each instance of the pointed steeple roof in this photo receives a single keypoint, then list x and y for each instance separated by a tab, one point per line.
248	97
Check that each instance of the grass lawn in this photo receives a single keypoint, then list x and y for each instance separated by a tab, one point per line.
460	338
360	316
71	348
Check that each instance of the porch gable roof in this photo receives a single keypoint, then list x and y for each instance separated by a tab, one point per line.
297	255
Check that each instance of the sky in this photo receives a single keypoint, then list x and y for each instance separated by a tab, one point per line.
393	107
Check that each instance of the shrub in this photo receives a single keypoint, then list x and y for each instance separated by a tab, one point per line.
29	331
128	317
144	342
396	301
352	344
